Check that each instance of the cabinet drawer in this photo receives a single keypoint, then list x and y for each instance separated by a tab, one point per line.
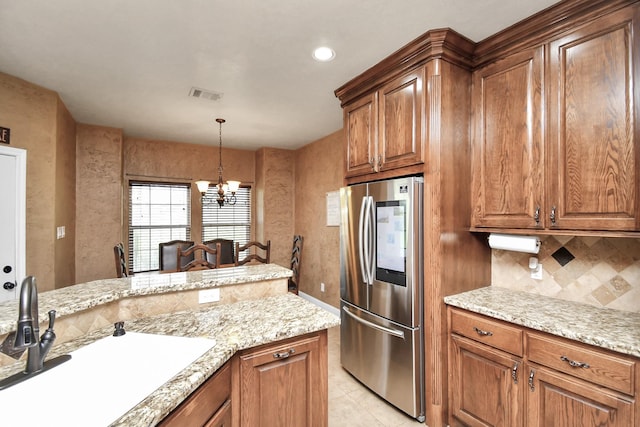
591	364
203	403
486	330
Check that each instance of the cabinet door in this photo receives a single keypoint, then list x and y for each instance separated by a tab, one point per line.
485	388
593	125
400	141
508	157
360	123
284	385
555	400
222	418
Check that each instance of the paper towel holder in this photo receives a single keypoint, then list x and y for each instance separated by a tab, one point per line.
509	242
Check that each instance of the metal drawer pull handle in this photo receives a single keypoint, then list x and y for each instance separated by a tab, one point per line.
284	354
536	215
573	363
514	373
531	386
482	333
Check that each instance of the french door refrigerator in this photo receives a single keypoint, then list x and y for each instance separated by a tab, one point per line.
381	281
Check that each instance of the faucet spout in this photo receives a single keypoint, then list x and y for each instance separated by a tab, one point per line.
27	336
28	330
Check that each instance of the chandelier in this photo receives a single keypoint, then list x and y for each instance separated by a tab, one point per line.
226	192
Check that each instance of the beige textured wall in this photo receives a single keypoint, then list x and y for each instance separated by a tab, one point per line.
181	162
30	112
319	168
65	210
275	177
98	200
605	272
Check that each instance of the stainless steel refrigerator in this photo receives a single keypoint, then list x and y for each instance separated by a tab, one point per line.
381	289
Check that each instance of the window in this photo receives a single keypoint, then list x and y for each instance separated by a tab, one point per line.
157	213
229	222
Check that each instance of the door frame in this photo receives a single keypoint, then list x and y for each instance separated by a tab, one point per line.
20	208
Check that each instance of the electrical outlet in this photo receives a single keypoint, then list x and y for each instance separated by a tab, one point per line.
209	295
321	286
60	232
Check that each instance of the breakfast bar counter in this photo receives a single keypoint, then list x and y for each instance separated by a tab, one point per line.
234	326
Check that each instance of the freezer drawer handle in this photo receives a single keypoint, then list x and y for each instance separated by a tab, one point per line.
390	331
284	354
482	333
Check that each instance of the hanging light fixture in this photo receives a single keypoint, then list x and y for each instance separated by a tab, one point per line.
226	192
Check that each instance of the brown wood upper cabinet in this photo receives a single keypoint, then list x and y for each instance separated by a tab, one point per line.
555	133
384	129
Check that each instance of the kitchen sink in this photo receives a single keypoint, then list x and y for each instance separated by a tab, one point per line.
101	382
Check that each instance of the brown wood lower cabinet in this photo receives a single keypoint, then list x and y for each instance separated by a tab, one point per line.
208	406
284	384
487	388
559	400
505	375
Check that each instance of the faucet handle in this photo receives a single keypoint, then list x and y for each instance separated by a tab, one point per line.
52	318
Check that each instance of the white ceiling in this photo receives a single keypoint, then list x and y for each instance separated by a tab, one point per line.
130	64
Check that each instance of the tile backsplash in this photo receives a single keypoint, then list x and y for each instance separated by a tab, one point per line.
604	272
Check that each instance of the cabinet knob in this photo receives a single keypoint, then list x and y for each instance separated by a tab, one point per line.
552	215
531	386
514	372
536	215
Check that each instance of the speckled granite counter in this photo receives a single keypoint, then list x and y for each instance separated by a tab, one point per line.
76	298
235	327
611	329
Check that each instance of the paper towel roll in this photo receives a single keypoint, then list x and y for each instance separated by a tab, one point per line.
507	242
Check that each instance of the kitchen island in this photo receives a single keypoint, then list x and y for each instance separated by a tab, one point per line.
251	321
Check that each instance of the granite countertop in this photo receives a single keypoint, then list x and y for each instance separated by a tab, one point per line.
76	298
234	327
615	330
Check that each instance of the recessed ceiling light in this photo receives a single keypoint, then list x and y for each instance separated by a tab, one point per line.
324	54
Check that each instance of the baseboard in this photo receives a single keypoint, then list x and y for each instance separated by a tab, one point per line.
321	304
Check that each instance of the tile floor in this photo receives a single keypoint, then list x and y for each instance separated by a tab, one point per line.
352	404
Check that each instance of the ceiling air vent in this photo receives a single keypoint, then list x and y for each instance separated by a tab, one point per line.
205	94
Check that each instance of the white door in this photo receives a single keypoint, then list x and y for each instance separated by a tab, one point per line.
13	166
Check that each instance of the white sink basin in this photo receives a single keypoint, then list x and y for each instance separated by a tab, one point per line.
101	382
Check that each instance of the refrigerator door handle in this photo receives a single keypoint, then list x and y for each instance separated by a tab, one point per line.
361	246
394	332
372	252
366	231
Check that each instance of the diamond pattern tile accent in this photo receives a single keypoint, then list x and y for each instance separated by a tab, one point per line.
604	272
563	256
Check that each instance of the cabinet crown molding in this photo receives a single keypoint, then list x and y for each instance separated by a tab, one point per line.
537	29
443	43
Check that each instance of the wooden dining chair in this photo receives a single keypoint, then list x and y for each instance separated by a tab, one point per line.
121	261
168	254
227	259
198	263
253	246
296	257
